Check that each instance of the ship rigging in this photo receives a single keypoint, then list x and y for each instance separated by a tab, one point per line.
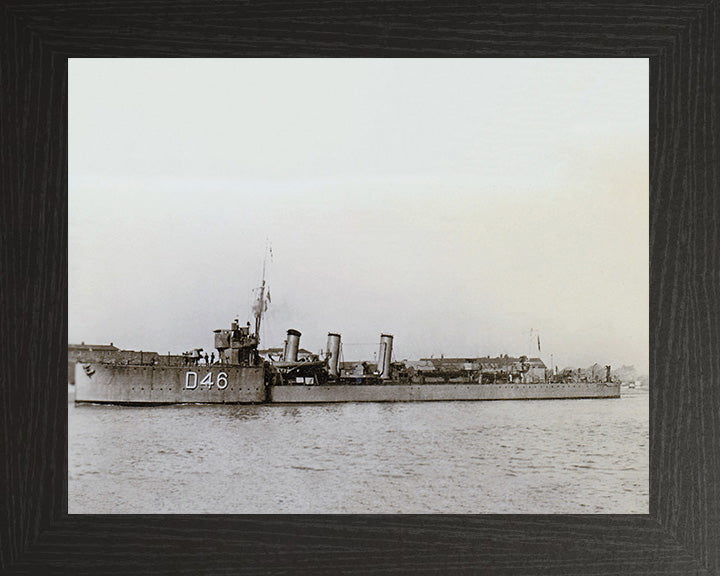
262	294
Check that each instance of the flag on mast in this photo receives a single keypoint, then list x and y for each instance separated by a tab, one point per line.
538	343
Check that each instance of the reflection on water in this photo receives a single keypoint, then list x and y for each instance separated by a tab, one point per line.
560	456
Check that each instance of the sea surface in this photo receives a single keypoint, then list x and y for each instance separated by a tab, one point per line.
520	456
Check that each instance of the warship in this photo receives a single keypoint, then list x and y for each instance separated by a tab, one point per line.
241	373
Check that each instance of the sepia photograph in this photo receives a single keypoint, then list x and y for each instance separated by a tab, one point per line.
324	286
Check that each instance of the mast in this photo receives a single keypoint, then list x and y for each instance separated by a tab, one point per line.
260	303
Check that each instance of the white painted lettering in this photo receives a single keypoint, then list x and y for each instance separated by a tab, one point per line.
207	380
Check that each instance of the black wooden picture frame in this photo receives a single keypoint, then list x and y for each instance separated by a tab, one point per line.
680	535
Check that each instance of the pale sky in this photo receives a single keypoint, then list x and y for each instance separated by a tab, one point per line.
456	204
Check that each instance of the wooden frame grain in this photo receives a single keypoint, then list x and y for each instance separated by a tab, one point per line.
681	535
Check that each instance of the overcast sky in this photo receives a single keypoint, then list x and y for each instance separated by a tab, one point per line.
456	204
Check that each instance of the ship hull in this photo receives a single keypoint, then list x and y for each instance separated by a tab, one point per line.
292	394
216	384
225	384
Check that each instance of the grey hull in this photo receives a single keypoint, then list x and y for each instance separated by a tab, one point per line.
440	392
223	384
216	384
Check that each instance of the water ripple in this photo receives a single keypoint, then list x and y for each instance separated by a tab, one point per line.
565	456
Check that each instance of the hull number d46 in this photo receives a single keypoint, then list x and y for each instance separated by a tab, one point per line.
191	381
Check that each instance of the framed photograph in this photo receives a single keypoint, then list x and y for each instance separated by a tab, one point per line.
529	217
347	260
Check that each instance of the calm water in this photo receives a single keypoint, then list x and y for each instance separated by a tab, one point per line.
559	456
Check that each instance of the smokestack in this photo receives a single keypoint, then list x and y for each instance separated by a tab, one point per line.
333	353
292	344
385	355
